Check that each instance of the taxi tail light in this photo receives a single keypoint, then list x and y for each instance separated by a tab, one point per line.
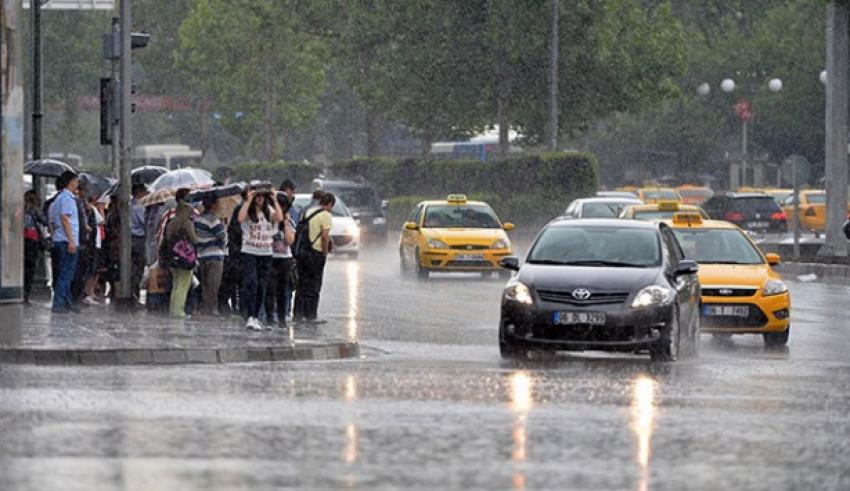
734	216
779	216
810	212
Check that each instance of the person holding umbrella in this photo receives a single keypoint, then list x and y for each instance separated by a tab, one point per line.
65	223
179	252
35	225
138	232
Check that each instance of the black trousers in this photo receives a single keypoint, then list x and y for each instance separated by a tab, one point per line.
256	271
280	288
311	271
138	259
32	253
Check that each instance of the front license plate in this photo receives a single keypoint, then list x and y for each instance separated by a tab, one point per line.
726	311
469	257
570	318
758	224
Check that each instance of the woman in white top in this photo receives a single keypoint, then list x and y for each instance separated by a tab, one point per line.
279	294
259	217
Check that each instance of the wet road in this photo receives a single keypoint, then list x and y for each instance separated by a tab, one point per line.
432	406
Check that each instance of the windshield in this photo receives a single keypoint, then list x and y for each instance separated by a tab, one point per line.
302	201
816	198
463	216
661	194
696	193
718	246
603	246
357	197
602	210
649	215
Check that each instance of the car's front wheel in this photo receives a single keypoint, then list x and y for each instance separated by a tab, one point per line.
667	349
507	349
777	339
421	272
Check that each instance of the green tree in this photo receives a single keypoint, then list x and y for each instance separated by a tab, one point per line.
253	59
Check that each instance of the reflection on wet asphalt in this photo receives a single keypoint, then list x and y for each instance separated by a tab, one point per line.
432	406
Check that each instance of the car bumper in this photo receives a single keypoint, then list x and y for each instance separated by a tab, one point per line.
625	329
345	243
767	314
451	260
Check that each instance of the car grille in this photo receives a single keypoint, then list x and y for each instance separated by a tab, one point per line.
583	333
596	298
470	247
478	263
755	319
728	292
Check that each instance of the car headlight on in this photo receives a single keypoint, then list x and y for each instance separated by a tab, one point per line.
519	293
437	244
652	296
501	244
774	287
379	221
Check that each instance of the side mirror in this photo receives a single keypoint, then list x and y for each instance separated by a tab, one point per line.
355	215
508	227
773	259
510	262
410	226
385	204
687	267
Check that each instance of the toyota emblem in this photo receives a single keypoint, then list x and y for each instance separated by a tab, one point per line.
581	294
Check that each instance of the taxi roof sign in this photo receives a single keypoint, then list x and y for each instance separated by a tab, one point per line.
688	218
666	205
456	199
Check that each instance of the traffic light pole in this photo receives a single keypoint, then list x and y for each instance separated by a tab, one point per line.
37	86
115	63
125	291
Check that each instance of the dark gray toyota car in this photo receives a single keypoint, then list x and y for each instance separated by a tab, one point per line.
611	285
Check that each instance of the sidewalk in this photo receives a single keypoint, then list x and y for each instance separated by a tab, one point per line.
101	336
829	273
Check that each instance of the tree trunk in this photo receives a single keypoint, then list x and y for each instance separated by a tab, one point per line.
836	128
371	133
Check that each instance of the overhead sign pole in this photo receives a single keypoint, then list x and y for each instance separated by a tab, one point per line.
37	86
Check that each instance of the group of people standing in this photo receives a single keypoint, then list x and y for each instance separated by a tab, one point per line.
264	262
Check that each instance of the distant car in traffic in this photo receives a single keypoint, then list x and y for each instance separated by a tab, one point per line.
812	210
612	285
659	211
454	235
755	212
694	195
741	293
616	194
655	194
366	207
599	207
345	233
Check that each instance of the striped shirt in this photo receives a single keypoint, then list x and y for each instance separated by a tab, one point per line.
212	237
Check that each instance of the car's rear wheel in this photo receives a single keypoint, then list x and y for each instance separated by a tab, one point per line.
667	349
508	350
777	339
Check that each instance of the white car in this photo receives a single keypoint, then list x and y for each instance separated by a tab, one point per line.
345	231
599	207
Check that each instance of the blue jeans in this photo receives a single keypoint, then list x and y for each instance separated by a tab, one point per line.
256	271
67	266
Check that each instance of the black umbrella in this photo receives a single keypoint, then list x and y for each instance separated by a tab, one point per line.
47	167
140	175
95	185
216	192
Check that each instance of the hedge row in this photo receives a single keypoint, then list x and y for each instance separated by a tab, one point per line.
528	190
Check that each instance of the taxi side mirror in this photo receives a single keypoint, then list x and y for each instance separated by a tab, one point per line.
508	226
773	259
510	262
687	267
410	226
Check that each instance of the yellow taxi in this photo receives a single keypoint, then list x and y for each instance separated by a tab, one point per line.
663	210
454	235
741	293
812	210
694	195
656	194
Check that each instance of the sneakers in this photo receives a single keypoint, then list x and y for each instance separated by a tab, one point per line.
253	324
91	301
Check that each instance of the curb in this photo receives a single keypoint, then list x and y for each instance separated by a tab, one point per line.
832	272
179	356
